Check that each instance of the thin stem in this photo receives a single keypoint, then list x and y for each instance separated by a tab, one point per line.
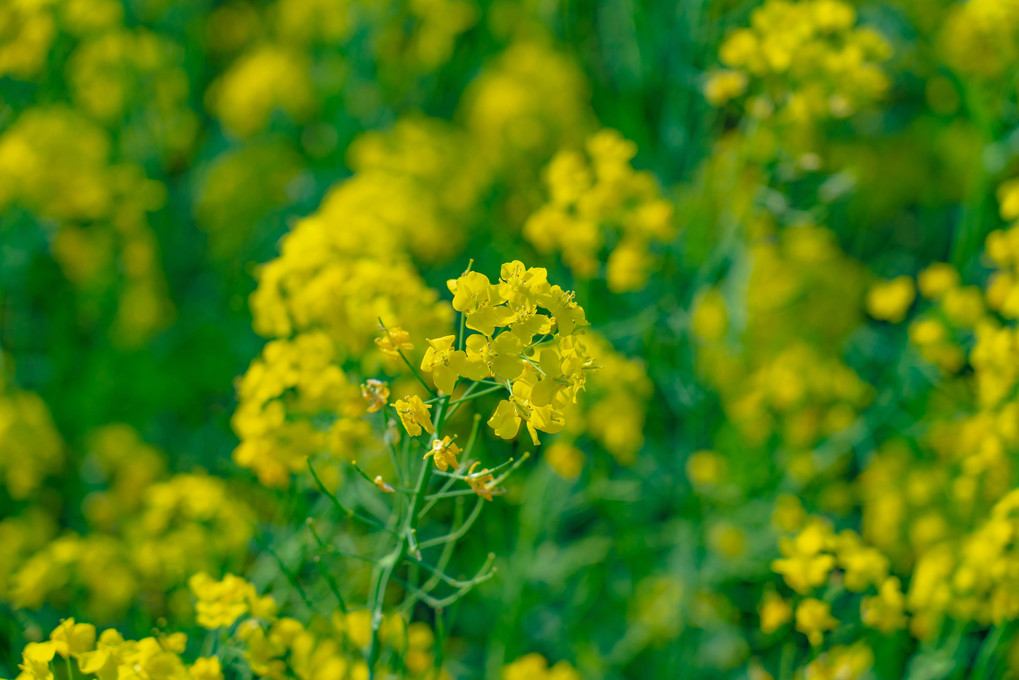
442	603
449	494
331	582
370	521
449	580
387	419
389	563
458	533
291	577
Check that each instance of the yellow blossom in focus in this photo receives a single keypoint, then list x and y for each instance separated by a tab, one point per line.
414	414
437	362
444	453
376	393
481	482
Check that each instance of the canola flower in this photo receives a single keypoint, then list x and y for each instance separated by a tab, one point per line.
145	530
538	357
598	201
801	62
110	655
786	431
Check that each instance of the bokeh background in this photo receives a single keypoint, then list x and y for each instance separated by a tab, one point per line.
788	223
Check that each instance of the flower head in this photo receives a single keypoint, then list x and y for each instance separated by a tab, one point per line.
375	392
481	482
444	452
394	340
414	415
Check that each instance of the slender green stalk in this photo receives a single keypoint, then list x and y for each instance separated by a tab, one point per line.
291	577
458	533
350	514
334	587
388	564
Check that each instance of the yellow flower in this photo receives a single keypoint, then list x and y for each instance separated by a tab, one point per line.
1008	198
444	453
206	668
481	482
937	279
220	603
890	300
414	415
805	565
72	639
375	392
864	566
710	319
36	659
104	660
775	612
885	611
394	340
505	421
813	619
437	362
480	302
841	663
485	357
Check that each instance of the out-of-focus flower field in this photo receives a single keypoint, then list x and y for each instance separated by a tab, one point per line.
443	339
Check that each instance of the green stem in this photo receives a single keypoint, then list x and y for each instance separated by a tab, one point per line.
350	514
291	577
391	561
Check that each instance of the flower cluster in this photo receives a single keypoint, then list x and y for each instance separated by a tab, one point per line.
282	397
801	62
598	201
278	647
146	532
539	357
112	656
221	603
807	563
